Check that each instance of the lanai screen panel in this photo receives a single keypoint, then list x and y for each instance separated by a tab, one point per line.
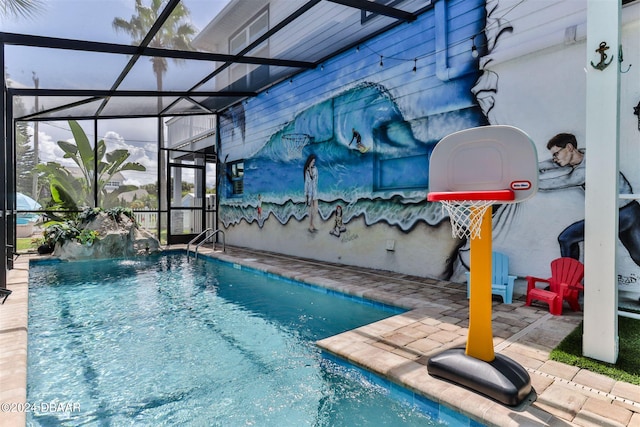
184	46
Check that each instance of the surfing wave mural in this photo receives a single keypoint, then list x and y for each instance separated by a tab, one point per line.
368	159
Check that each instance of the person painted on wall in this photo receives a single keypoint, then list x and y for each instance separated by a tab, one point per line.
566	169
259	207
338	226
311	190
358	138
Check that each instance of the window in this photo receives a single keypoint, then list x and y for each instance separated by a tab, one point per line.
247	76
235	173
410	172
250	33
402	169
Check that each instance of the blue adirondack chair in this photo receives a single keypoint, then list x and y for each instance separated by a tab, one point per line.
501	281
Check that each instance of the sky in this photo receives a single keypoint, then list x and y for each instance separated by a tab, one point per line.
80	20
90	20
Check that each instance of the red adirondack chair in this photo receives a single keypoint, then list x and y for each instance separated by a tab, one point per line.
565	284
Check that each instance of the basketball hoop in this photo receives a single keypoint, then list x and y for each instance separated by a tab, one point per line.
294	143
469	171
466	209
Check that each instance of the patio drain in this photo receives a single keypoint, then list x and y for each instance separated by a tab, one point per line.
586	388
514	338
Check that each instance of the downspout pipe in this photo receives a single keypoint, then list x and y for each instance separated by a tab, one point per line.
443	71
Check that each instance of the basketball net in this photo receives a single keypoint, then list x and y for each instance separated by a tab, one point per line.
294	143
466	216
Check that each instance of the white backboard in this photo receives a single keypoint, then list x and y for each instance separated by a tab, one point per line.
486	158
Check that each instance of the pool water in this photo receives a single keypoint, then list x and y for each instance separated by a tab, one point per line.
161	341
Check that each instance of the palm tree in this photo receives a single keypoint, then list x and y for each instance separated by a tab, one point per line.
175	33
19	8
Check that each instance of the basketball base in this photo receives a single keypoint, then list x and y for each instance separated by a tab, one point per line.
501	379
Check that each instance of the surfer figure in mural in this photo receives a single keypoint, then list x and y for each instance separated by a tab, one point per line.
338	226
567	158
358	138
311	190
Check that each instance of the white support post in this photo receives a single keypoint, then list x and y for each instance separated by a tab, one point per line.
600	338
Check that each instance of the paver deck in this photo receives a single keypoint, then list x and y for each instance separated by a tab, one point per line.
399	347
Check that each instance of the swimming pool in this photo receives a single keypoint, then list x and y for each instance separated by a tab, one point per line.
159	341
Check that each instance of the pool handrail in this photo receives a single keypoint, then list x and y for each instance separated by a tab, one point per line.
204	240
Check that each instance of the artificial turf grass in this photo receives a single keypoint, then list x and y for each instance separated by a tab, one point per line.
627	367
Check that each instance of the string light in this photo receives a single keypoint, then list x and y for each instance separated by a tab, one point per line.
475	53
474	49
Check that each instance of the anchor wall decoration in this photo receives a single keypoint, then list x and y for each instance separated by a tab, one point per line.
603	57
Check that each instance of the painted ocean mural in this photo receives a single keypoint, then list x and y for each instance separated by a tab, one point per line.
383	177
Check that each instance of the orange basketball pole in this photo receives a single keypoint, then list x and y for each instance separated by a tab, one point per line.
470	170
480	335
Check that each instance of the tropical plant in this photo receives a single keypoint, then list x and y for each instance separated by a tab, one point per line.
60	231
26	161
87	215
69	192
75	228
87	237
117	213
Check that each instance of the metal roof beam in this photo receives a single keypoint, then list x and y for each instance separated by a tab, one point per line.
123	93
378	8
89	46
32	116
